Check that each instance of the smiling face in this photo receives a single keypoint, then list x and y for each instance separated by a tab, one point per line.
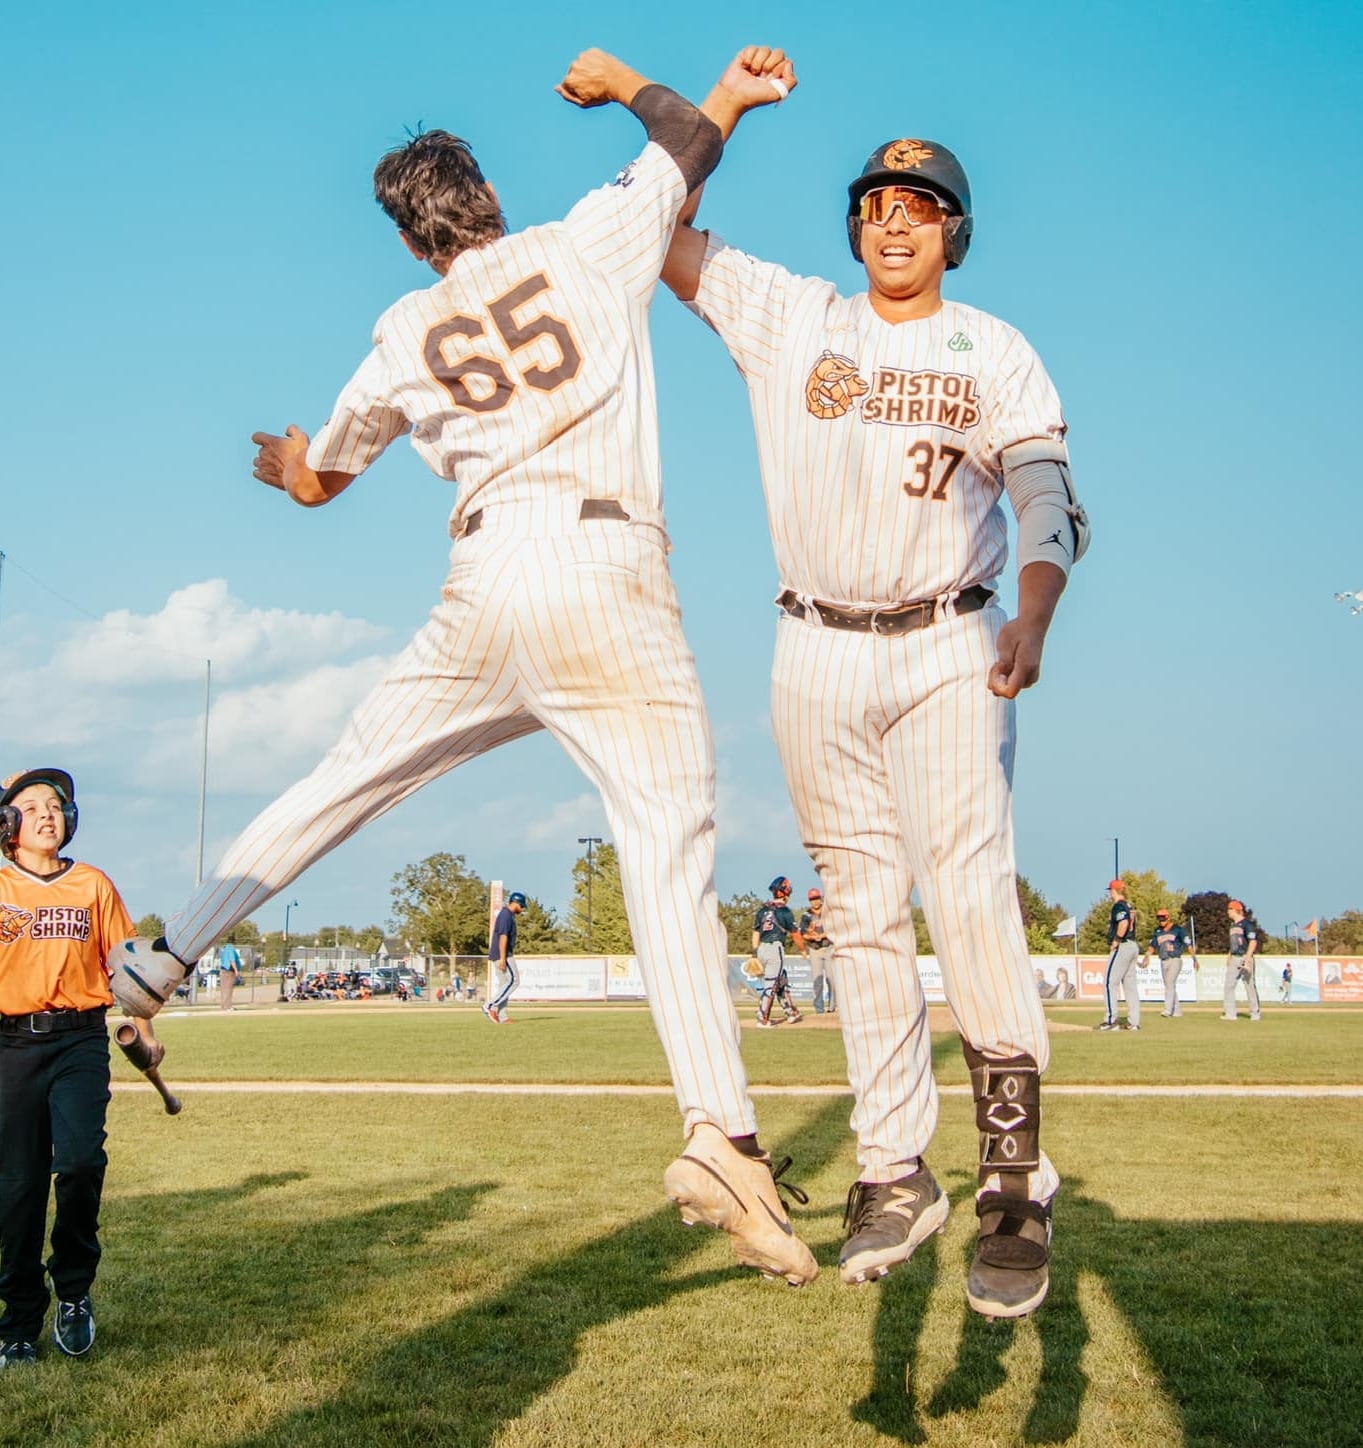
904	264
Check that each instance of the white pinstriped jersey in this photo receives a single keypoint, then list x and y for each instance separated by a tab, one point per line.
525	375
890	434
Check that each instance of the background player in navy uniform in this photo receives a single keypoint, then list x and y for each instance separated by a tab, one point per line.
1169	942
1122	959
772	923
818	948
1245	936
502	954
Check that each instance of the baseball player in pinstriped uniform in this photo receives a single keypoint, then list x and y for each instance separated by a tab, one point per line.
899	420
525	379
1122	961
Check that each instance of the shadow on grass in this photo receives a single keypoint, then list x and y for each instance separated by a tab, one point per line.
460	1381
1251	1327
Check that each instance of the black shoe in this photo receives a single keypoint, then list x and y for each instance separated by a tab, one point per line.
1010	1275
17	1354
887	1221
74	1329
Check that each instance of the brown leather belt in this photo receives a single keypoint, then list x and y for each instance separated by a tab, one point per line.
50	1023
897	618
592	509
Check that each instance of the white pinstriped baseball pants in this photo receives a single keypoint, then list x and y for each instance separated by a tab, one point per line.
578	632
900	770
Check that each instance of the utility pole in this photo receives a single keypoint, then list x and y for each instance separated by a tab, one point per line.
591	841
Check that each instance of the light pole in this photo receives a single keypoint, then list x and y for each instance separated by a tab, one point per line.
591	841
1293	926
1116	858
284	959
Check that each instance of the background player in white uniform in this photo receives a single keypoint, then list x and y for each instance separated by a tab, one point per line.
525	379
898	420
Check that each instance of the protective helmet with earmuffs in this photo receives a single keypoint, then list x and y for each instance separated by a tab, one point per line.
11	819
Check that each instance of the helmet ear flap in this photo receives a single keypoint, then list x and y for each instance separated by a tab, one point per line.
956	233
854	234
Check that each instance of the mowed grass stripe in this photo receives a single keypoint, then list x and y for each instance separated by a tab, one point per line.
568	1046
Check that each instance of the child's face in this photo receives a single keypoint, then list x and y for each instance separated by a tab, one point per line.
42	826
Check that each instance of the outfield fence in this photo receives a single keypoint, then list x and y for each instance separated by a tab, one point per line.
1324	979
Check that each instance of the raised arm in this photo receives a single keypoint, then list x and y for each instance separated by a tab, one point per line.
758	75
672	122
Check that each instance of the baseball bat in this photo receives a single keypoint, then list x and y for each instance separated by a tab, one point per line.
135	1049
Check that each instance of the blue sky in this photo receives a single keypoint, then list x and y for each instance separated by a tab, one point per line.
1167	204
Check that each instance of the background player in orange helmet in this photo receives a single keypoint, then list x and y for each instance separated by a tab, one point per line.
58	920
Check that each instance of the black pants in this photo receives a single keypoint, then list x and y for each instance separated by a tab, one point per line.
54	1094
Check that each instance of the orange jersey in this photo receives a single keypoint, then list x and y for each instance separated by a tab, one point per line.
55	931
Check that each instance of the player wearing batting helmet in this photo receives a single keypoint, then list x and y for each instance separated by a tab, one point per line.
772	925
1167	945
58	920
900	419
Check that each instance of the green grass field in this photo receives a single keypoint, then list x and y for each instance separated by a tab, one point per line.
395	1269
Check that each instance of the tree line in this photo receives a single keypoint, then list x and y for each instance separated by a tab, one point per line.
440	906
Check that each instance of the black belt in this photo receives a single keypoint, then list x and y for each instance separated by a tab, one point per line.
895	618
50	1023
591	509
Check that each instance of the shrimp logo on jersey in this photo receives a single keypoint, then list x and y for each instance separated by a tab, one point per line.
905	155
12	923
834	385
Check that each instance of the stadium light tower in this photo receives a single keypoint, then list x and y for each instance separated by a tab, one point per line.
591	841
284	960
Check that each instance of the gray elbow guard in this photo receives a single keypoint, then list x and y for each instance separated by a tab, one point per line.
672	122
1052	524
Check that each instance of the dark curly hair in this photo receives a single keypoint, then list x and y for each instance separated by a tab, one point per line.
434	191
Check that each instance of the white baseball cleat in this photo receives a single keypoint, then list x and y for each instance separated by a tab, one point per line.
713	1182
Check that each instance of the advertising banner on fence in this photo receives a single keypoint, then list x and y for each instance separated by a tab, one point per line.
1059	978
1341	978
561	977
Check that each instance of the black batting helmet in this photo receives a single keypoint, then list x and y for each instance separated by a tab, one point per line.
10	818
924	165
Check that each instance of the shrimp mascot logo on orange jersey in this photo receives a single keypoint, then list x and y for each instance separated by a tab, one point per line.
12	923
834	385
906	155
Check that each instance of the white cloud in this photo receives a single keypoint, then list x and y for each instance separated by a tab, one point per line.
261	738
205	621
